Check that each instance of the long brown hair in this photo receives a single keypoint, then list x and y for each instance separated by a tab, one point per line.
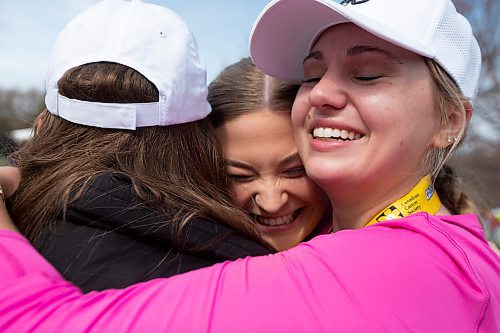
176	166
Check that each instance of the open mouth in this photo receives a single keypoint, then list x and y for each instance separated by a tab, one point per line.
326	133
277	220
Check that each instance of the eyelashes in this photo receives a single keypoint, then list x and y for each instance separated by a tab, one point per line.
290	174
368	77
312	80
241	178
361	78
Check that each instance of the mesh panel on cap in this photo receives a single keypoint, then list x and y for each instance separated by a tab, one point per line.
454	47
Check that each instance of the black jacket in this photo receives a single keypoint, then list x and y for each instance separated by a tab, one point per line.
111	239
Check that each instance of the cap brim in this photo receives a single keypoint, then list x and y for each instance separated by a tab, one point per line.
283	33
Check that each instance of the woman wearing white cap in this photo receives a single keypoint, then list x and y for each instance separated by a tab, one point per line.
144	188
386	96
122	181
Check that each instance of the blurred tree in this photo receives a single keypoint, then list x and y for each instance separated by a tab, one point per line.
484	16
7	145
18	109
479	159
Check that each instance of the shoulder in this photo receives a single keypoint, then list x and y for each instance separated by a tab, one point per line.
224	242
107	187
402	267
411	238
110	204
110	200
413	255
387	277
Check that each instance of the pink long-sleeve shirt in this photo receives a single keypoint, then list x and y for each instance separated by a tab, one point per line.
417	274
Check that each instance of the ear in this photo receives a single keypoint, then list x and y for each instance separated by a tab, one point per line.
451	128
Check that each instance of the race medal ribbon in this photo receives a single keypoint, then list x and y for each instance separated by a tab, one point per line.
422	198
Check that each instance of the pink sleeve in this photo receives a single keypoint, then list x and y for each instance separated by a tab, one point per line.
338	282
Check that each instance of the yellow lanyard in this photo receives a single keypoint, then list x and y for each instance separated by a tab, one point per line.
421	198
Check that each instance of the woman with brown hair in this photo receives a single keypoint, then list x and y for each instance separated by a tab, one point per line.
110	203
251	115
122	181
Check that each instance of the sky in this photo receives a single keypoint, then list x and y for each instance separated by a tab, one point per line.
29	28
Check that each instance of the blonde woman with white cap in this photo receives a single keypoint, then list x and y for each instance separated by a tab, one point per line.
387	93
122	181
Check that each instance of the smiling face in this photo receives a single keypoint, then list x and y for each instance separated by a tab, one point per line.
268	177
364	118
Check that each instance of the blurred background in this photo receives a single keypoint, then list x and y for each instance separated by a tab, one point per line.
28	29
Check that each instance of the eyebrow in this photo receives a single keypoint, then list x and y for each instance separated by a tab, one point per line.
355	50
359	49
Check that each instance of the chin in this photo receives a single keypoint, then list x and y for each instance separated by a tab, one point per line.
321	172
283	247
281	244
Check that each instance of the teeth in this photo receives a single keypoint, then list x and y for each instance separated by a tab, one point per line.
280	220
335	133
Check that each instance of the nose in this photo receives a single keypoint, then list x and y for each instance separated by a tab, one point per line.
271	197
328	94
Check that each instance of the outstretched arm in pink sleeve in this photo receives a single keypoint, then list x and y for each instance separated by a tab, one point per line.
419	273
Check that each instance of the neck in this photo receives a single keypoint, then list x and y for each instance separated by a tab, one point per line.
369	208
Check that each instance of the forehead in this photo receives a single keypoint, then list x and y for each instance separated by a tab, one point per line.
340	38
261	126
258	138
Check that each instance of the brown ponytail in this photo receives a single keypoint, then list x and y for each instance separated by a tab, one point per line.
456	195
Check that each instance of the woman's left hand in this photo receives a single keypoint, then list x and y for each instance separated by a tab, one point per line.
5	221
9	180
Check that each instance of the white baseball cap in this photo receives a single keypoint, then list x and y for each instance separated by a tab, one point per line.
284	31
151	39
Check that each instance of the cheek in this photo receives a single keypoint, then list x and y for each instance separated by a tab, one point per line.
399	113
380	111
300	109
310	194
241	195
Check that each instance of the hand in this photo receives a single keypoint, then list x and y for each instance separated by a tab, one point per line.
9	180
5	221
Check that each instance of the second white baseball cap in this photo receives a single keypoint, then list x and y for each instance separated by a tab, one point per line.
148	38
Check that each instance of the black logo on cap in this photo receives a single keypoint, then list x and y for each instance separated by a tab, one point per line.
353	2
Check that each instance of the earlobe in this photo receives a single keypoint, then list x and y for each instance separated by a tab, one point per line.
443	139
453	127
